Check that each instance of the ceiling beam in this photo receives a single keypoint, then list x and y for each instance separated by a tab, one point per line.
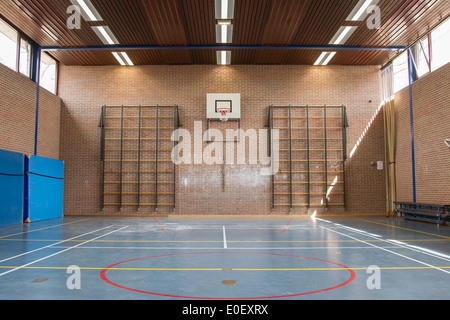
222	47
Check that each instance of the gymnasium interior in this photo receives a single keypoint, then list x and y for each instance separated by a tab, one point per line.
224	150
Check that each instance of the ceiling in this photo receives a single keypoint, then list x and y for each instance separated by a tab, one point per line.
185	23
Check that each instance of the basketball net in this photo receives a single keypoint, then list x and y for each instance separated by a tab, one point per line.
223	113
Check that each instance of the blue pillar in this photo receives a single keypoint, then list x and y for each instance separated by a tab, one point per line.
412	76
36	77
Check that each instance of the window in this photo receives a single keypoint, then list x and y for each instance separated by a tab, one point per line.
8	45
401	72
422	57
440	44
25	57
48	73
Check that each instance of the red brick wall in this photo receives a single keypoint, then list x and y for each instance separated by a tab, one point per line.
431	97
18	116
199	190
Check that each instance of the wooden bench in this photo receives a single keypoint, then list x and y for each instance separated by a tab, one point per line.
439	214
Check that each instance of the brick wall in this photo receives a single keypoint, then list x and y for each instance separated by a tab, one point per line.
18	116
431	96
199	187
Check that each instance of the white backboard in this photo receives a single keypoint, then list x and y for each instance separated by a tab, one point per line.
218	100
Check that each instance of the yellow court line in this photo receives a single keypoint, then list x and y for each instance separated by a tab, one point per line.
383	224
230	269
29	231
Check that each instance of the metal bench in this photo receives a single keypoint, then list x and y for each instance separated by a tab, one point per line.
439	214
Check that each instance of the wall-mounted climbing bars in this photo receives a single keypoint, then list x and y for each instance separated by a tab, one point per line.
313	152
136	146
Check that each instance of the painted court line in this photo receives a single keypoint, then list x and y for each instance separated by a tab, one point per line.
401	228
62	251
51	245
29	231
213	248
390	251
218	228
221	269
225	246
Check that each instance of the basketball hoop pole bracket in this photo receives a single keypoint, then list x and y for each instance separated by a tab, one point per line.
208	125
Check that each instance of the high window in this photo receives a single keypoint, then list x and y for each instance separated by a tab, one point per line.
48	73
8	45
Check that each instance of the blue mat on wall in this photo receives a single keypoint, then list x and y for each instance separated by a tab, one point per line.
11	188
44	189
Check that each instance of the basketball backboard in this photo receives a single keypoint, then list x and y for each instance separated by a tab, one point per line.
223	106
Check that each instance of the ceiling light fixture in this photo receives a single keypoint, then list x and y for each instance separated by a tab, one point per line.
223	58
88	10
123	58
324	58
224	32
343	34
106	35
224	9
359	13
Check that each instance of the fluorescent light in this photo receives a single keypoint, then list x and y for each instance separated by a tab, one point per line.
359	13
106	35
223	58
123	58
224	30
327	60
88	10
224	33
342	35
320	58
119	58
127	59
224	9
324	58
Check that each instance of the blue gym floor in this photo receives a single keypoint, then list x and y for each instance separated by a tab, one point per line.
211	258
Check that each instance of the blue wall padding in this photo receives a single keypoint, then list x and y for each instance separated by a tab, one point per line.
46	167
44	189
11	188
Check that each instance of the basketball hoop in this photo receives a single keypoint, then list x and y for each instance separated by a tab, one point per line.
224	113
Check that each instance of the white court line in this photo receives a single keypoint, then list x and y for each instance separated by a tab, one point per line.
225	246
384	249
59	252
398	243
215	248
51	245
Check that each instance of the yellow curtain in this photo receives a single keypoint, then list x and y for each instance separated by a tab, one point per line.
389	134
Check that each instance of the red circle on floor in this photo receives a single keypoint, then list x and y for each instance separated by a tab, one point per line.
350	280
